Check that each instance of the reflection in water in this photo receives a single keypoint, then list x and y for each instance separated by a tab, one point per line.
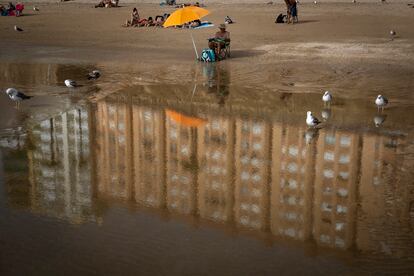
59	164
336	188
218	81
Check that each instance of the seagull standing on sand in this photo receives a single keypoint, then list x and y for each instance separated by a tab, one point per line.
392	34
70	83
311	120
17	29
327	98
381	102
95	74
16	96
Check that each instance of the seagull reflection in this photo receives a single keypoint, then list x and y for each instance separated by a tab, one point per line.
311	134
379	119
326	114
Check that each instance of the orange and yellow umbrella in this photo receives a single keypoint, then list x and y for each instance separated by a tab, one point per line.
185	15
183	119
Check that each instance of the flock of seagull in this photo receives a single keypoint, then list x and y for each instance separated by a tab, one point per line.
327	98
17	96
313	122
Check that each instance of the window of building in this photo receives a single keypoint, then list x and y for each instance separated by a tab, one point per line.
328	173
330	139
329	156
345	141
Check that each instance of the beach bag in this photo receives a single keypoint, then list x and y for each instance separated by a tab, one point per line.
280	18
207	55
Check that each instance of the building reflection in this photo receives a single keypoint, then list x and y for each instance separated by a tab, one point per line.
251	173
236	170
59	167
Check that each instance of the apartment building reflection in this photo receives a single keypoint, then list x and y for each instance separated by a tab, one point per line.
336	180
148	127
386	224
216	173
252	173
255	174
293	165
113	148
181	163
59	167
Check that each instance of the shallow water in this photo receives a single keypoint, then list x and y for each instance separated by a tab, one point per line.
202	178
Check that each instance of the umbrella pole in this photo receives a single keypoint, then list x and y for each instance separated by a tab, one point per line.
195	48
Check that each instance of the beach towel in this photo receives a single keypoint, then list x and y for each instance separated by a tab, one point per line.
204	25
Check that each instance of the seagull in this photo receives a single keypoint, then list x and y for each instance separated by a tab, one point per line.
70	83
311	120
17	29
392	34
381	102
379	120
327	97
16	96
315	2
326	114
353	1
95	74
35	8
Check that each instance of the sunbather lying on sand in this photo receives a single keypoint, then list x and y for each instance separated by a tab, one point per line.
107	4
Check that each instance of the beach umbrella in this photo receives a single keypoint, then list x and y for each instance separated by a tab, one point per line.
184	120
185	15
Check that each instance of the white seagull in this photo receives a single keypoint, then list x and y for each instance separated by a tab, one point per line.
95	74
17	29
311	120
35	8
392	34
327	97
381	102
70	83
16	96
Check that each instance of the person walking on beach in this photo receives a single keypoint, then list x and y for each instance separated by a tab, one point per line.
294	11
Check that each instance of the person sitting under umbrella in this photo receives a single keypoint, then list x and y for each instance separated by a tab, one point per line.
219	41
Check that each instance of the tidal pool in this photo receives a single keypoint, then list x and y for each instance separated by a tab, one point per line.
206	178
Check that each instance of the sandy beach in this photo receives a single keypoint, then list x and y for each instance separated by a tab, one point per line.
170	166
344	46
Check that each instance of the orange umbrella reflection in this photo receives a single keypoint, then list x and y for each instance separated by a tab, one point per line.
184	120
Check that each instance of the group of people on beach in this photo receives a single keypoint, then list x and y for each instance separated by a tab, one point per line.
136	21
107	4
11	10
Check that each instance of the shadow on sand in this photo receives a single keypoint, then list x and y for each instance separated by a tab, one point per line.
246	53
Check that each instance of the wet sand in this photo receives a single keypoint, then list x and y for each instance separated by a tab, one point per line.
344	47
